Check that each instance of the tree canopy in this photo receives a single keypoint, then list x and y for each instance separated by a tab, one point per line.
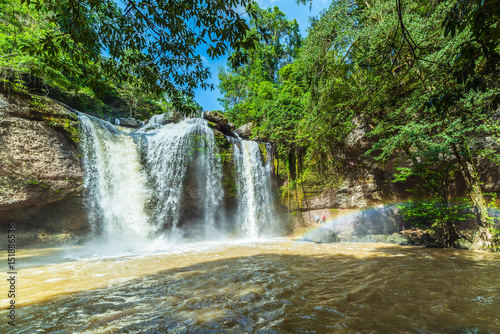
422	76
153	46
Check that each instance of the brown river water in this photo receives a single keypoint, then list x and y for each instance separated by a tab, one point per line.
276	286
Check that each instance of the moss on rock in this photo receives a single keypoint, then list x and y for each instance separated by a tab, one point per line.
213	125
263	151
55	116
222	143
225	153
44	109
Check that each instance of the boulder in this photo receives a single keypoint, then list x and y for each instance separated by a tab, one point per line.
418	237
244	131
214	125
362	238
128	122
397	238
463	244
215	117
321	235
229	127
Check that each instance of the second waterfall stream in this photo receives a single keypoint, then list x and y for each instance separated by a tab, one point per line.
172	180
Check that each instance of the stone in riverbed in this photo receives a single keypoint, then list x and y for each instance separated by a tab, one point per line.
397	238
321	235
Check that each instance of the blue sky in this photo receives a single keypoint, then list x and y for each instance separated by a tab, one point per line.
208	99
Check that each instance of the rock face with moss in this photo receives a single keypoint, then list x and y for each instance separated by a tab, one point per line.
41	173
216	120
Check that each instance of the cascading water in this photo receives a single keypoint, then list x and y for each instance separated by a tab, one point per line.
255	198
114	182
169	178
170	153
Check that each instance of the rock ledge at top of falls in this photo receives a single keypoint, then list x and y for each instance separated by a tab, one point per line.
219	122
129	122
215	117
321	235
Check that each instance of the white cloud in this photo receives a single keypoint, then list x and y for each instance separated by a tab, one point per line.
267	3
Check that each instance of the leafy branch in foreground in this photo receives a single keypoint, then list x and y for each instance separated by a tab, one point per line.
155	44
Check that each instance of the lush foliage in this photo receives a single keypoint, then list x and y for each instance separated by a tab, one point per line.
138	51
420	78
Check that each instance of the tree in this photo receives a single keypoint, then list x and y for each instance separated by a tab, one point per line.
384	64
265	90
156	45
246	88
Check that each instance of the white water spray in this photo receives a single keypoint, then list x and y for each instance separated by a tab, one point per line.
141	183
114	182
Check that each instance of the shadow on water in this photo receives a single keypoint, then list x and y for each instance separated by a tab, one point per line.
388	290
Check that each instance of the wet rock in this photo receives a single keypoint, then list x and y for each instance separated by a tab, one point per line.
397	238
321	235
463	244
244	131
363	238
229	127
128	122
418	237
41	172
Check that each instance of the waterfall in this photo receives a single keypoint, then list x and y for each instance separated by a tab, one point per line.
113	181
171	152
255	200
167	178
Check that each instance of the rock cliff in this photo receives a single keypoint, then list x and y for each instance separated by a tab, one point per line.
40	174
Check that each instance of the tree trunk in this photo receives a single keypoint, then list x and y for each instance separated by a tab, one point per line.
288	206
292	168
298	205
482	237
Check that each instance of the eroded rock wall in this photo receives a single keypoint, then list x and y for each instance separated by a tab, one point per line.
40	168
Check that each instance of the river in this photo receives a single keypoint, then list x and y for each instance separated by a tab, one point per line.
277	285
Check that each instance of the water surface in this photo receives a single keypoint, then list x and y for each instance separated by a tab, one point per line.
277	286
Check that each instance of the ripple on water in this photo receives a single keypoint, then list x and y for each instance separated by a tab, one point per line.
271	287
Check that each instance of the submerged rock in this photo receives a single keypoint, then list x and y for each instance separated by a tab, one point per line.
321	235
363	238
